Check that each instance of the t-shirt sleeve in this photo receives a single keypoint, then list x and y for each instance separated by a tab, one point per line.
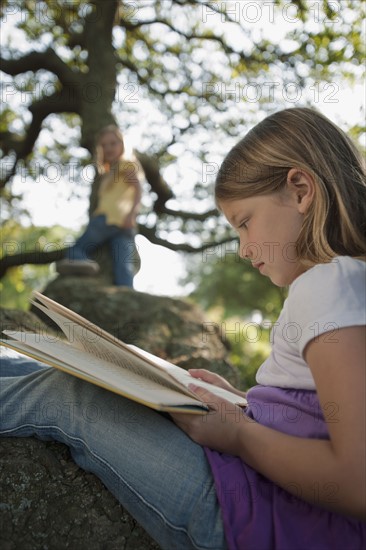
328	297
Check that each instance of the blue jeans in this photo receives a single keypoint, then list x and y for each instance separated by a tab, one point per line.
122	244
155	471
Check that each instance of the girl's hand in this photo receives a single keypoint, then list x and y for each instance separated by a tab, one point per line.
220	429
215	379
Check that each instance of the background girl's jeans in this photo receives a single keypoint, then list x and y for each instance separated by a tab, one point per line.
122	245
156	472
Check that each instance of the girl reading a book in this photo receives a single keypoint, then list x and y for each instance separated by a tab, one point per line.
287	472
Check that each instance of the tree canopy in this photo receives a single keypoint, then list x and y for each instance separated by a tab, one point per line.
189	76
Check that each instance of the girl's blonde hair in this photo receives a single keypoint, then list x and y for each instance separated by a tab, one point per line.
110	129
302	138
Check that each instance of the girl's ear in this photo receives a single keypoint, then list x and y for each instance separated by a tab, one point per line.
301	186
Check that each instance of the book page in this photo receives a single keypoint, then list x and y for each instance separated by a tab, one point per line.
62	316
93	369
185	378
83	339
154	365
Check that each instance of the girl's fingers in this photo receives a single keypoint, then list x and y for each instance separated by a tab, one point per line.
203	374
201	392
212	378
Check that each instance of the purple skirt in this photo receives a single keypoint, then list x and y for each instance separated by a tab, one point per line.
259	515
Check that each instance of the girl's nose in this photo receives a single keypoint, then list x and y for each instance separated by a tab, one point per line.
244	249
249	251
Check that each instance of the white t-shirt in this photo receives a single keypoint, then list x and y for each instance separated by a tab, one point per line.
321	300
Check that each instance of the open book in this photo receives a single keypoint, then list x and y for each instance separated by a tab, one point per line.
93	354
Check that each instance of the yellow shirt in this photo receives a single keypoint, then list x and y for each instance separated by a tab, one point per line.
116	196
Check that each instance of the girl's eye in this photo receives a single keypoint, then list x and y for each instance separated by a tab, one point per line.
244	224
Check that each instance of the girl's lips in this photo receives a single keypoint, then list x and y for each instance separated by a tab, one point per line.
258	265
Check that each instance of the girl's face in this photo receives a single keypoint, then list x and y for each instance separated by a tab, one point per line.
112	147
268	227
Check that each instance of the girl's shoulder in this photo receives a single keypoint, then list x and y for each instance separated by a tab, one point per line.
342	270
328	296
339	285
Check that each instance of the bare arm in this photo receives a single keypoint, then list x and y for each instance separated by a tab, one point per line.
327	473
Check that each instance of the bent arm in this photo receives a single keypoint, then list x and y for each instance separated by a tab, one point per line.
330	473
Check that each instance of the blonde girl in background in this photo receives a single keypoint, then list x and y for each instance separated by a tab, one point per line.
113	220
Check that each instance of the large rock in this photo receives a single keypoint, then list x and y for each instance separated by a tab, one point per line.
46	501
49	503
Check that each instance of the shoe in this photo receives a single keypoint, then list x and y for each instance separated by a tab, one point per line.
77	267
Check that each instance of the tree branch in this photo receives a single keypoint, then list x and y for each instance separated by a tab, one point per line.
35	61
77	39
150	234
59	102
196	216
35	258
44	258
152	172
10	142
186	36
